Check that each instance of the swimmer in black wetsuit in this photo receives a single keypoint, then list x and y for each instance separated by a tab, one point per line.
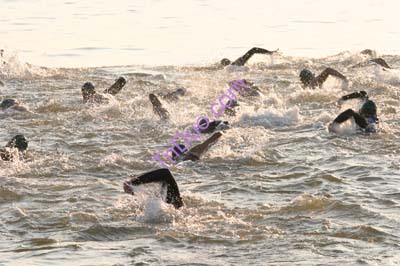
379	61
195	153
366	119
243	59
231	110
90	95
19	142
249	90
162	176
11	104
215	125
173	96
309	79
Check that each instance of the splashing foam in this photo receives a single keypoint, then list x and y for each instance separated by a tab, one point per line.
272	117
12	66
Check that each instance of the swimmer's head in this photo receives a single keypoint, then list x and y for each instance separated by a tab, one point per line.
19	142
88	91
306	76
178	152
7	103
180	92
225	62
368	109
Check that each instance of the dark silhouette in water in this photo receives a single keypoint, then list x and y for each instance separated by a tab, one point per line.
309	79
195	153
241	61
162	176
90	95
19	142
12	104
366	118
158	108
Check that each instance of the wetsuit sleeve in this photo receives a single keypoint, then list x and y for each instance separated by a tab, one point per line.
355	95
255	50
157	107
165	177
200	149
381	62
349	113
321	78
116	87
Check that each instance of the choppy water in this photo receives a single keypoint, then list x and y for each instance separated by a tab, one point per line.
278	189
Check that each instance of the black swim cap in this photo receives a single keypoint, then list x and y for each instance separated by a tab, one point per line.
368	108
19	142
180	91
306	76
177	151
225	62
88	87
7	103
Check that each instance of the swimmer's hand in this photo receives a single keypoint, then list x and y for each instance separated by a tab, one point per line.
128	188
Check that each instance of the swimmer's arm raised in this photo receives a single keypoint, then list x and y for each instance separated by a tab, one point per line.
381	62
116	87
200	149
255	50
321	78
162	176
355	95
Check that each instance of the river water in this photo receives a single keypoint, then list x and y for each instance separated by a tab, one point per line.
277	189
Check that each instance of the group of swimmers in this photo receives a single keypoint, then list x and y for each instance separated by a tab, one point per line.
366	118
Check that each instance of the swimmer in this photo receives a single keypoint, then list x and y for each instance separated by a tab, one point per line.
11	104
162	176
157	107
18	142
231	110
310	80
1	55
378	61
213	126
90	95
195	153
249	90
366	118
369	52
241	61
173	96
